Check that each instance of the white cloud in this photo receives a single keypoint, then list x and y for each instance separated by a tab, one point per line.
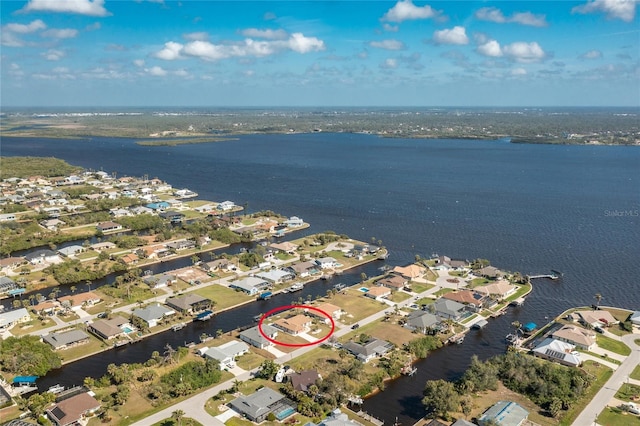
614	9
592	54
518	72
268	34
405	10
493	14
81	7
390	28
455	35
139	62
181	72
490	48
388	44
202	35
389	64
31	27
60	33
524	52
170	52
206	50
157	71
93	27
53	55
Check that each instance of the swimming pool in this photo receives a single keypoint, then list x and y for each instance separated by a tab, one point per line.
127	329
285	413
363	289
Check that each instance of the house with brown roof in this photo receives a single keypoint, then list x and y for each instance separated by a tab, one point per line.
378	292
285	247
77	301
74	410
108	328
472	299
294	325
108	226
578	336
599	318
500	289
394	282
46	307
9	263
332	310
129	259
490	272
189	303
410	271
302	380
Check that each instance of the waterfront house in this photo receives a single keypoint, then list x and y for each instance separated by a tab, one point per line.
435	422
7	264
172	216
504	413
6	284
448	309
106	245
108	226
474	300
393	282
71	250
253	336
305	269
189	303
365	352
120	212
578	336
635	318
76	301
108	328
160	280
52	224
422	321
303	379
378	292
46	307
226	205
257	406
294	222
138	210
73	410
159	206
500	289
285	247
326	262
337	418
181	245
558	351
11	318
275	276
250	285
463	422
215	265
490	272
153	314
410	271
332	310
226	354
129	259
294	325
41	257
599	318
66	339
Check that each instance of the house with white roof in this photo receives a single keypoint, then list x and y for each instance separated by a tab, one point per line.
254	337
250	285
558	351
275	276
153	314
11	318
226	354
326	262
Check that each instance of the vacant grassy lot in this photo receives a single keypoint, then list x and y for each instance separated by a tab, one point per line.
31	326
399	296
356	305
612	345
223	297
636	373
628	391
420	287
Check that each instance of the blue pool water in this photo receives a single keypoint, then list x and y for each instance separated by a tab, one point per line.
127	329
285	413
363	289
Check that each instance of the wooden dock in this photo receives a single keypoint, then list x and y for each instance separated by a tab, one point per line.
370	418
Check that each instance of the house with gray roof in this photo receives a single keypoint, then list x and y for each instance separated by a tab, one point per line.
11	318
250	285
226	354
463	422
6	284
40	257
253	336
422	321
71	250
504	413
160	280
365	352
257	406
555	350
66	339
189	303
153	314
275	276
449	309
635	318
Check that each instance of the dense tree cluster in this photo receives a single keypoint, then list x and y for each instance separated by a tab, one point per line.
140	222
421	347
191	376
73	271
23	167
27	355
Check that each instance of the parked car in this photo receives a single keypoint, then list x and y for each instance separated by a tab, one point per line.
354	326
599	330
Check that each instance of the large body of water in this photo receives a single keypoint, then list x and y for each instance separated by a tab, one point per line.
528	208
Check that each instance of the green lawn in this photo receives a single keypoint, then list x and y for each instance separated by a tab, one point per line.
443	291
602	374
636	373
223	297
398	296
425	301
627	391
420	287
185	421
521	291
616	417
612	345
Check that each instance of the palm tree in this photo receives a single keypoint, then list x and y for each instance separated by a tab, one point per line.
517	325
178	415
73	289
598	298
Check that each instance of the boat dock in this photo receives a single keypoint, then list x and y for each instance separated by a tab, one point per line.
548	276
372	419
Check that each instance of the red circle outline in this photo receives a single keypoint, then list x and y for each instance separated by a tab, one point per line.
295	345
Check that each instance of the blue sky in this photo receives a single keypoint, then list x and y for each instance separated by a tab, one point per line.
335	53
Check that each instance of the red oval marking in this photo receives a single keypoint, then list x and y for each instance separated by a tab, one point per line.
295	345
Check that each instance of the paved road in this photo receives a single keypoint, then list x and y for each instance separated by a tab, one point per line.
620	376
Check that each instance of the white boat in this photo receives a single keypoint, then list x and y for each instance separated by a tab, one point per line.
295	287
56	388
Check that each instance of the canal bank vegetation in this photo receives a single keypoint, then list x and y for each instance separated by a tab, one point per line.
27	355
552	393
22	167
